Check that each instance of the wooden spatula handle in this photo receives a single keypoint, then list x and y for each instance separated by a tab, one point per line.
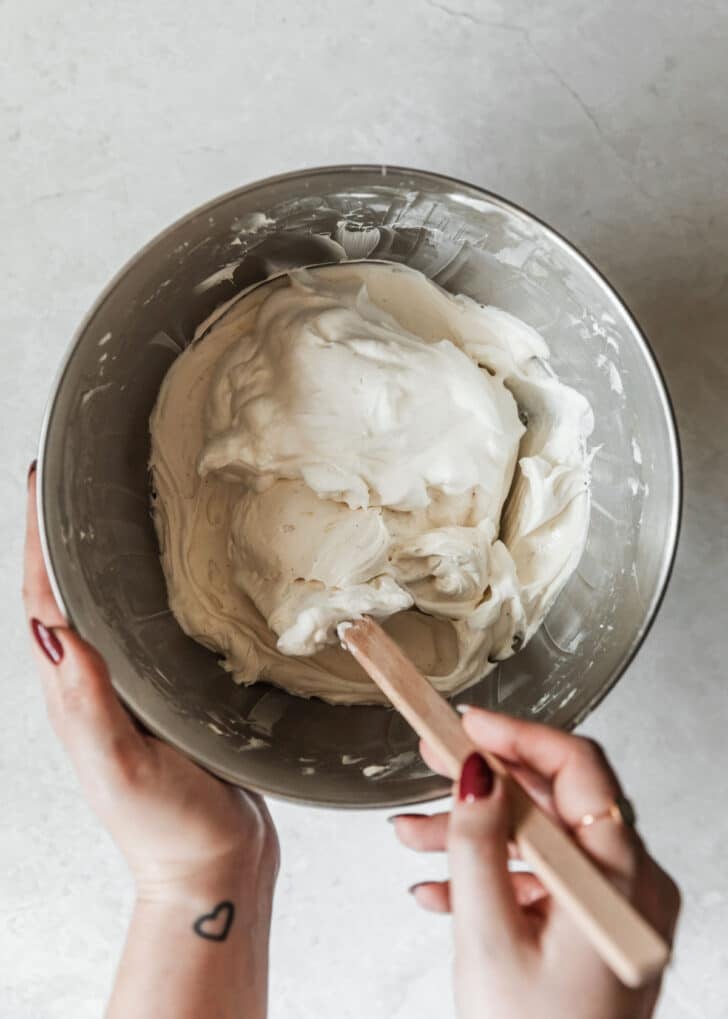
623	938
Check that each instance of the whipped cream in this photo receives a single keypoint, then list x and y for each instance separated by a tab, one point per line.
351	439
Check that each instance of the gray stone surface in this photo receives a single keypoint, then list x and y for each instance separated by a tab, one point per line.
606	119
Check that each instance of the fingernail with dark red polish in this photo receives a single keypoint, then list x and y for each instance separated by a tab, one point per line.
31	469
476	779
396	817
47	641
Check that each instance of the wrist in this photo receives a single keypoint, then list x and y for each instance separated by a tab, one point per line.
196	883
197	937
221	906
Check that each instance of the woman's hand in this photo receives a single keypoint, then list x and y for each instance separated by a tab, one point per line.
517	952
194	844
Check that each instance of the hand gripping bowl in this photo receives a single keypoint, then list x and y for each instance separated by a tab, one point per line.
100	544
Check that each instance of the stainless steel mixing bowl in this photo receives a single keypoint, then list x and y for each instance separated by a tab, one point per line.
98	537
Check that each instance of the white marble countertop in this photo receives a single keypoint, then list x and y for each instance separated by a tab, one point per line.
609	121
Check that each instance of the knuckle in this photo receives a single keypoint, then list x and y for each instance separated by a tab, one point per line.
485	840
659	896
592	752
414	840
66	705
130	764
463	835
671	895
72	699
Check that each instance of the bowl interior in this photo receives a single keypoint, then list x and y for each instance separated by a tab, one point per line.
100	542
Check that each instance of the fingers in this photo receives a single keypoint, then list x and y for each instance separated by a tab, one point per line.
37	593
659	898
99	736
427	833
582	782
434	896
537	787
431	759
422	832
527	889
576	765
486	914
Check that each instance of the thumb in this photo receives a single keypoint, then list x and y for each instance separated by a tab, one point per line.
98	734
487	919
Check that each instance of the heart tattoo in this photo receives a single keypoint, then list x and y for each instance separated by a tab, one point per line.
215	926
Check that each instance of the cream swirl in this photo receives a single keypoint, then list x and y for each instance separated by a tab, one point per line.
353	441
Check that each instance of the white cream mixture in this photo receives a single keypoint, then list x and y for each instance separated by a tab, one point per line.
347	440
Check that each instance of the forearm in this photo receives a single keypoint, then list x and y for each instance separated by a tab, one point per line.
196	952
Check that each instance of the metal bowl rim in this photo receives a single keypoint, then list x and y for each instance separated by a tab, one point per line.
675	516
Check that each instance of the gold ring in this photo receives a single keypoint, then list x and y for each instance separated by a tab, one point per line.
619	810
